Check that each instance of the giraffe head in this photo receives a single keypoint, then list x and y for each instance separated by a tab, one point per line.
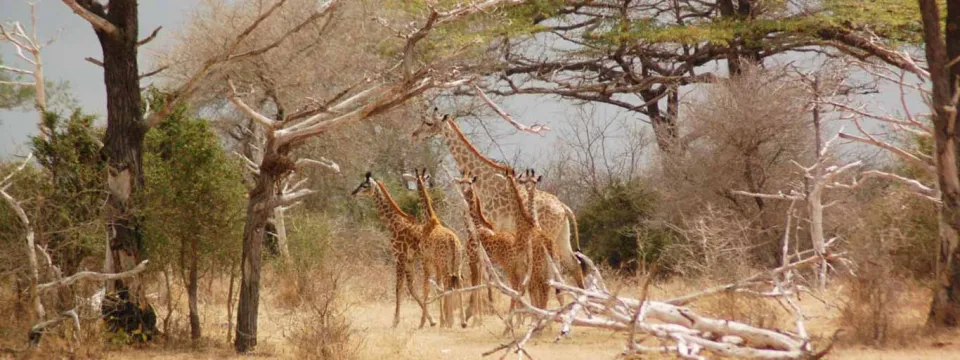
422	178
529	180
432	126
367	188
466	184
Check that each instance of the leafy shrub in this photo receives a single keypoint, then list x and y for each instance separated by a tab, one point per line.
616	227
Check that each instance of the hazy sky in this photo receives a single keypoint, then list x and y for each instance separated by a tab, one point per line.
64	61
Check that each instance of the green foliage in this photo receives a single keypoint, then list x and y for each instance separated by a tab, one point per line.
892	19
70	220
195	193
13	96
612	225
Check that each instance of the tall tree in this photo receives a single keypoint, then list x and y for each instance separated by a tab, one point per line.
942	50
638	54
116	25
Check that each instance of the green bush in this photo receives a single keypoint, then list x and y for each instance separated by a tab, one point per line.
616	228
194	192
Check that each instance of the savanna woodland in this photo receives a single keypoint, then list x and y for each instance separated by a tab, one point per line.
544	179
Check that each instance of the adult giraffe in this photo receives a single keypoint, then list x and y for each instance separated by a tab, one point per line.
555	217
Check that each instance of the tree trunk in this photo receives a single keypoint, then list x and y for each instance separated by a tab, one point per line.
122	152
945	307
273	166
279	222
192	287
233	276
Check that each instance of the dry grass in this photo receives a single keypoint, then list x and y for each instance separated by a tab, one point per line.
337	307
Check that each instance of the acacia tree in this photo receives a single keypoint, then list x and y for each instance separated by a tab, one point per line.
638	54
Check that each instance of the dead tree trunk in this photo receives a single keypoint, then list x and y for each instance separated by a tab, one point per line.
274	165
945	307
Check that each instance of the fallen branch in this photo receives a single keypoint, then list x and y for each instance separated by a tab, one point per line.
93	276
688	333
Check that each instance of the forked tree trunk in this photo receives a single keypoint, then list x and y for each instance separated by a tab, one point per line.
945	307
272	167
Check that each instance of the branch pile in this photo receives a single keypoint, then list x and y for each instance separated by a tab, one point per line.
678	330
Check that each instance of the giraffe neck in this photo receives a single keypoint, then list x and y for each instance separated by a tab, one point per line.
388	210
426	203
532	206
476	212
524	221
491	187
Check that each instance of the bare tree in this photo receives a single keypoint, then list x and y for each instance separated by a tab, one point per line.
357	102
28	43
679	330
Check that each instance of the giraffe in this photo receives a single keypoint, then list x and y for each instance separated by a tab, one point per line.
539	244
405	242
440	250
555	216
503	247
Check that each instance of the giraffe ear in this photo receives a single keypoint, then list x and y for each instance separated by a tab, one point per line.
445	117
474	180
539	177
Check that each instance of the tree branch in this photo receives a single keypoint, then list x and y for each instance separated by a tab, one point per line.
150	38
94	61
86	11
323	162
95	276
267	122
534	129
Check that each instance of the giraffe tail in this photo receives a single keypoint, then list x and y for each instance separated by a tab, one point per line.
575	230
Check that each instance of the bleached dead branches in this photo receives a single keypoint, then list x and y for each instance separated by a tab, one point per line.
15	34
35	288
92	276
686	333
533	129
908	124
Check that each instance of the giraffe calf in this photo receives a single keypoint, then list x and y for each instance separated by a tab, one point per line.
441	252
502	247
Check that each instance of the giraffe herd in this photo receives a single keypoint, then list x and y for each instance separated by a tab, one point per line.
518	225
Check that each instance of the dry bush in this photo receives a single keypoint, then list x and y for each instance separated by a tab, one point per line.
742	134
713	244
892	247
325	332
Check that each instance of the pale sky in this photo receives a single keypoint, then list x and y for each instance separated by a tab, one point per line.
64	61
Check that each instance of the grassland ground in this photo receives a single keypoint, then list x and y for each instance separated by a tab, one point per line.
365	301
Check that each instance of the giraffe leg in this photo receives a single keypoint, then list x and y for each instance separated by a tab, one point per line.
475	299
425	311
401	275
456	285
422	302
